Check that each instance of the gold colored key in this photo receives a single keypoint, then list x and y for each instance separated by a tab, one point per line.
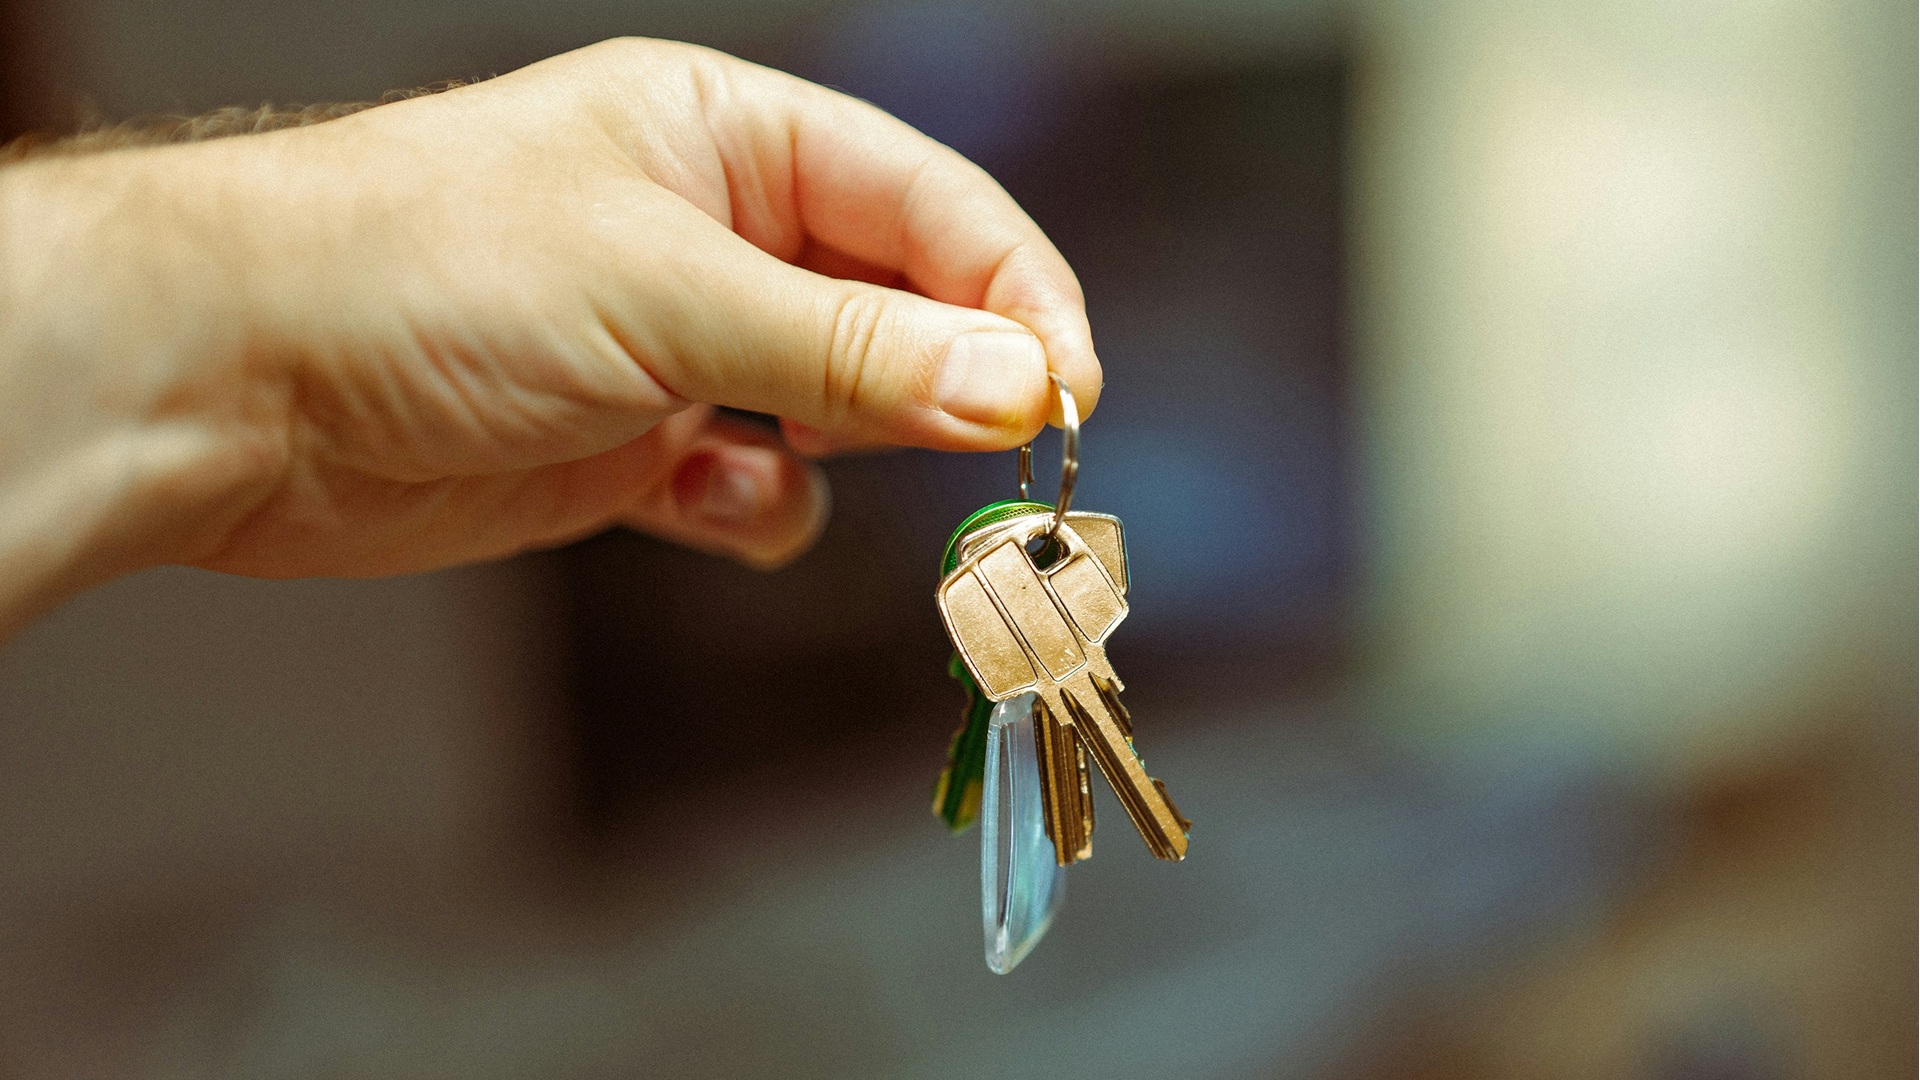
1038	621
1066	789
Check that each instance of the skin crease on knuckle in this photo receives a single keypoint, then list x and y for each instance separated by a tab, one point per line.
856	327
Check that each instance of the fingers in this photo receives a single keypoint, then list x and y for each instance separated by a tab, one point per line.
803	170
707	481
869	185
715	319
811	442
713	483
736	491
822	259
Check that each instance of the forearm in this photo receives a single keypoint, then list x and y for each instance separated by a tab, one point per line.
132	432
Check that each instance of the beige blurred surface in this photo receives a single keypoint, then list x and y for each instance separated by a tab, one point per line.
1637	295
1636	302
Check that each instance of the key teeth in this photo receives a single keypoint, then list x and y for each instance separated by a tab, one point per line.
1186	827
1043	747
1057	747
1085	775
1125	771
1109	691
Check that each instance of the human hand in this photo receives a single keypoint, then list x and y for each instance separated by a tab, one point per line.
459	326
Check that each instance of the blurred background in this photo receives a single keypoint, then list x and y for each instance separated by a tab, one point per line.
1512	406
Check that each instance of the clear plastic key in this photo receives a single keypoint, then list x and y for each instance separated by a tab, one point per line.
1021	883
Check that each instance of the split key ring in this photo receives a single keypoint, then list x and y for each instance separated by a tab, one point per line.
1069	456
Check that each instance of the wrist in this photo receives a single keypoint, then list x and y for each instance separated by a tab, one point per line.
139	429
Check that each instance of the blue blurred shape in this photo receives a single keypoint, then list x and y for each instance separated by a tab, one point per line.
976	77
1232	522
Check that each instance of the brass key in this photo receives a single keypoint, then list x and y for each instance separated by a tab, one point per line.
1066	788
956	795
1024	623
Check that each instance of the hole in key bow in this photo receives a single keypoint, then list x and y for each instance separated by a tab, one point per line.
1045	550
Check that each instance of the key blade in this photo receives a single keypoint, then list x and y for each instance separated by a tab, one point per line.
1096	719
1083	774
1066	793
1185	825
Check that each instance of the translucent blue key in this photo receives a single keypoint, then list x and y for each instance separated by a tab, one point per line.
1021	882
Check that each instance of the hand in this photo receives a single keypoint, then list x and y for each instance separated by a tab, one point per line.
459	326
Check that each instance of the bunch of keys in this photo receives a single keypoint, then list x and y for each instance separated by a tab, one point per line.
1029	594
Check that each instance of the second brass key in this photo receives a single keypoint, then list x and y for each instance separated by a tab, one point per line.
1020	626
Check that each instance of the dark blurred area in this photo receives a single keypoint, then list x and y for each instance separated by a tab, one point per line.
1512	408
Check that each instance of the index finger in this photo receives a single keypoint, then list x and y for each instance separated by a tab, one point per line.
804	164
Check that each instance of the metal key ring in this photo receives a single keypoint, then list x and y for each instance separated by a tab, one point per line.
1069	456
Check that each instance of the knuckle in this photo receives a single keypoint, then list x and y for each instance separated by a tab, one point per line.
625	49
853	352
631	54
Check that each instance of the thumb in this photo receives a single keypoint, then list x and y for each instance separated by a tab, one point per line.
859	362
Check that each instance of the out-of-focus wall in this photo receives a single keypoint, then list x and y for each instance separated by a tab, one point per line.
1637	332
188	756
1635	304
125	57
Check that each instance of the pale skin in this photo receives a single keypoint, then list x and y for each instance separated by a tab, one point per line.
460	326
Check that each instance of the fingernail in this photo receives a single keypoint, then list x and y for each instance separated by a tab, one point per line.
731	492
988	374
